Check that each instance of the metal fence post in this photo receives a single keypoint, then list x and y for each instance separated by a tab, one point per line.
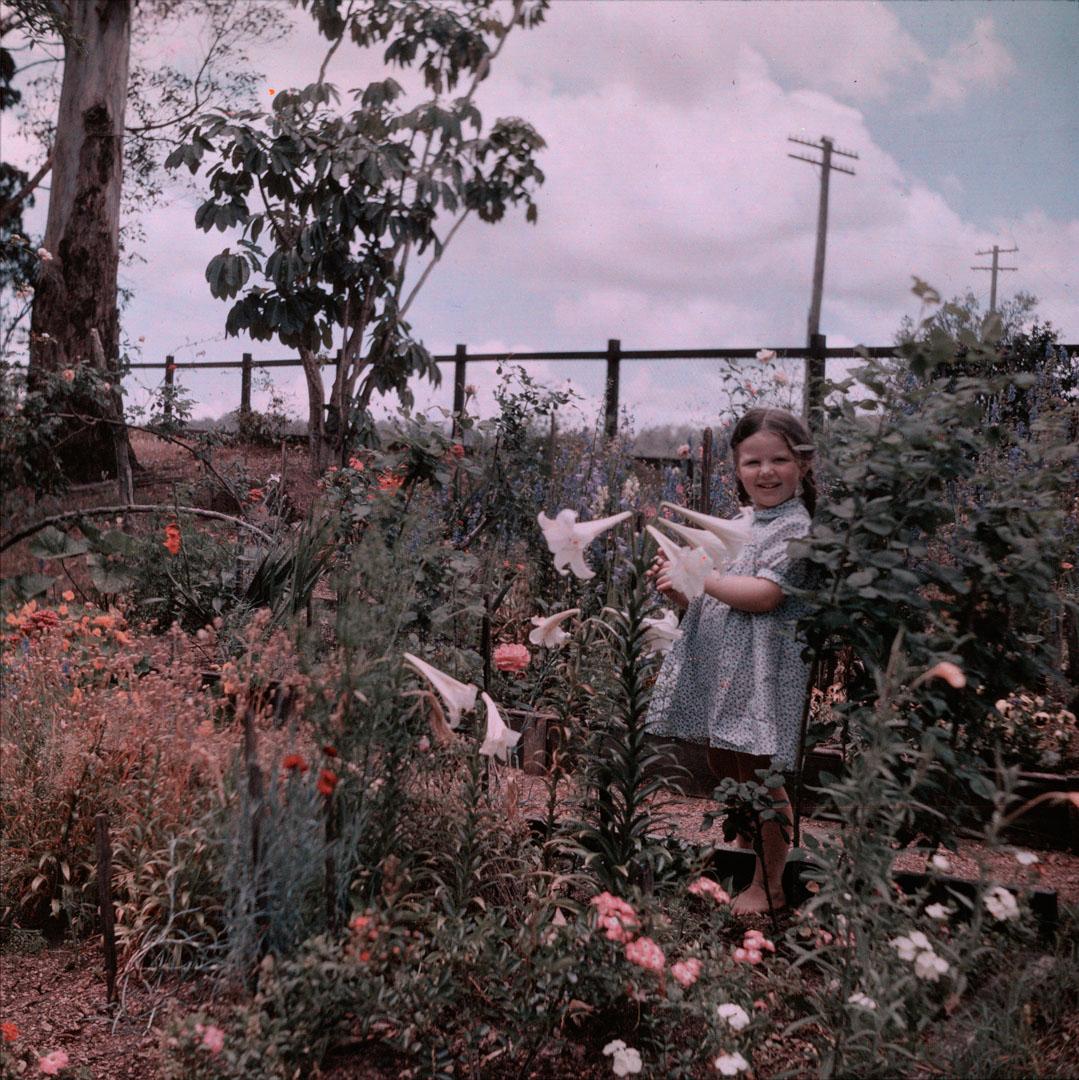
614	357
245	385
460	359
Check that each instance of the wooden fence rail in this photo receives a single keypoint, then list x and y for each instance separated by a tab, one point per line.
815	356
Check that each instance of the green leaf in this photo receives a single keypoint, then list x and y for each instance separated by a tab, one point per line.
17	590
54	543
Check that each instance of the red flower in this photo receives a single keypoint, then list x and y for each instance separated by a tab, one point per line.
256	495
294	761
171	542
9	1031
327	781
330	751
457	450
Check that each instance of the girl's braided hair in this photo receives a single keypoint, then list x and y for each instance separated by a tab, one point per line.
793	431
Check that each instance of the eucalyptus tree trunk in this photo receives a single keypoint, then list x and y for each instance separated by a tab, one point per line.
75	292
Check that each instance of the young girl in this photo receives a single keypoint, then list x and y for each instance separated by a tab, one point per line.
736	680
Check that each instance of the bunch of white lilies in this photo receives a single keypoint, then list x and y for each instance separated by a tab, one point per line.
711	545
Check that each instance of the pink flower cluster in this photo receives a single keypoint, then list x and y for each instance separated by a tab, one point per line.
754	945
213	1038
707	887
615	916
645	953
686	972
54	1063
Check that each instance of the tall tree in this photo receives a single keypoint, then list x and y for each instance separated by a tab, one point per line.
75	290
330	205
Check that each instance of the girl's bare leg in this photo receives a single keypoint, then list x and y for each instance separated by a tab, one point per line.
754	899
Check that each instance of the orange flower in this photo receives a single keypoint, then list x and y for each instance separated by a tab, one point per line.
256	494
9	1031
294	761
390	482
355	463
68	595
68	374
327	781
171	542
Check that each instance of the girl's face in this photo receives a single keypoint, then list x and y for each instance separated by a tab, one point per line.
768	469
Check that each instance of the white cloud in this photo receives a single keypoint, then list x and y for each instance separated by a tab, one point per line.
980	62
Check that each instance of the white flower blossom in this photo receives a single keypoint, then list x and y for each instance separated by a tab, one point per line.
687	568
941	862
736	1017
459	697
599	500
624	1059
45	255
567	539
1026	858
937	911
862	1001
766	356
631	489
732	533
660	634
1001	904
549	632
499	739
731	1064
929	966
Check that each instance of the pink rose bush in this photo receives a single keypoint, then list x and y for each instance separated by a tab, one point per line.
510	657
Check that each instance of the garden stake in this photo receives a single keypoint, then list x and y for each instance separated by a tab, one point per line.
104	898
796	806
704	504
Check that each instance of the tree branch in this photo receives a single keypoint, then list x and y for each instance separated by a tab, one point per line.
431	265
10	206
108	511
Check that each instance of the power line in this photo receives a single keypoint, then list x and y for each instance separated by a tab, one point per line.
995	269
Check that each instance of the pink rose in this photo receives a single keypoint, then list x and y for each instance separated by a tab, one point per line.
53	1064
508	657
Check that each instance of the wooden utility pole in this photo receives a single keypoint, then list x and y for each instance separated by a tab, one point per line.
814	375
995	269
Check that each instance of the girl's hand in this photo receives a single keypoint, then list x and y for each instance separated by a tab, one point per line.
658	571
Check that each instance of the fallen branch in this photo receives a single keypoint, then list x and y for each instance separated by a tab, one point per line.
106	511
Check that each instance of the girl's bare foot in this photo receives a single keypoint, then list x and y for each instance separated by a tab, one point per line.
753	900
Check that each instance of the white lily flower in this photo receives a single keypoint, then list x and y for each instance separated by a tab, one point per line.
548	632
730	1064
687	568
499	739
732	533
459	697
568	539
661	634
717	550
766	356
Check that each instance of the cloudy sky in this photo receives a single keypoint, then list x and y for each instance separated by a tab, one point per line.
673	217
